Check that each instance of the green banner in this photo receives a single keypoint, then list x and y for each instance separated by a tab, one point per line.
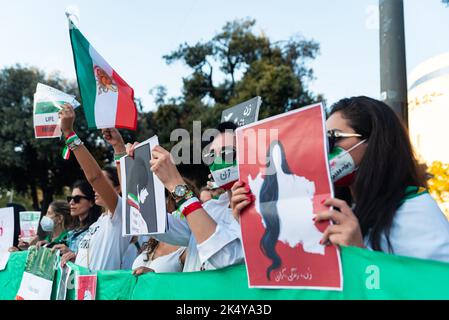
367	275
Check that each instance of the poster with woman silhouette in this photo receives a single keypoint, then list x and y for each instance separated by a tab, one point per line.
86	287
143	194
283	159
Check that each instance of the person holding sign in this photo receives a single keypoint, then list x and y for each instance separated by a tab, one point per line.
157	256
381	199
209	231
84	212
103	247
56	223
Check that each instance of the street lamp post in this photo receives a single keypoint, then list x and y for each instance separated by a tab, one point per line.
393	72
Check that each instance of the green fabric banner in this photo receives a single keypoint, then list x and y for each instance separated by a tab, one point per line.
367	275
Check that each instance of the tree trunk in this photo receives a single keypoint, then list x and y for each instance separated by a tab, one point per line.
47	198
34	197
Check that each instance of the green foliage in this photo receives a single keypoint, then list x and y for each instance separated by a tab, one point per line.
233	66
247	65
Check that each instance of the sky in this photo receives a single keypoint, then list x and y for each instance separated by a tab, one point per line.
134	35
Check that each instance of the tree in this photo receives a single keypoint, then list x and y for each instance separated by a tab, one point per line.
29	164
249	65
235	65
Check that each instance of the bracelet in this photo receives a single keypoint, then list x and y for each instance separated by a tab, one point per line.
72	142
70	136
186	197
117	157
73	145
189	206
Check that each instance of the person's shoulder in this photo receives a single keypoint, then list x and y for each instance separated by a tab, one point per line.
118	207
420	202
422	208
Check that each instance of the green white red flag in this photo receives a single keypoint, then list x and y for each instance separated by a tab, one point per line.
108	101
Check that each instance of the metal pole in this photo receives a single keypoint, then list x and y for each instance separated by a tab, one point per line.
393	72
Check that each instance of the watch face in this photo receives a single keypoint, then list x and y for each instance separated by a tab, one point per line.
180	191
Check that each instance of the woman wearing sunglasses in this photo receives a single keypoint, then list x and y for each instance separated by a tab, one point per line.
381	202
84	213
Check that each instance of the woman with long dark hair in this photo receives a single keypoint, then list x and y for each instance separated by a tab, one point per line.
381	199
84	213
385	205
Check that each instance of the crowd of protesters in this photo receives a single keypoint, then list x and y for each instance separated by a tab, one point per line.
381	205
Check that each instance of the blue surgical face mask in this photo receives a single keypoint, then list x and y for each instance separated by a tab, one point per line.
47	224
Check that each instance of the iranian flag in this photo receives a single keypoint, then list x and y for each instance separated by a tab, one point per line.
108	100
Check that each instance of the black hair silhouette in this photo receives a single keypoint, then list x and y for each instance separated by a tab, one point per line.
269	195
138	176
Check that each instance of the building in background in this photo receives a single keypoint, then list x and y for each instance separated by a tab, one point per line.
428	107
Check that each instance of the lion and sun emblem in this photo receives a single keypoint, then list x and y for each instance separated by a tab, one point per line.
104	82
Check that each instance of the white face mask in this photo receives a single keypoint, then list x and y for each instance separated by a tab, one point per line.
342	165
47	224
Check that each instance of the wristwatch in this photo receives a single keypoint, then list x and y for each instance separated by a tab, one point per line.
179	191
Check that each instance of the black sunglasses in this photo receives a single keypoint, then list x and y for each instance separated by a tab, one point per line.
76	199
228	154
333	136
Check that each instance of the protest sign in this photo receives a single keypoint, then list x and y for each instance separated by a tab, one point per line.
284	161
37	280
86	287
244	113
143	194
6	234
47	103
29	222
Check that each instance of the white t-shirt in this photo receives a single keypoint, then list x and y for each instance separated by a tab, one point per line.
103	247
132	252
169	263
222	249
419	230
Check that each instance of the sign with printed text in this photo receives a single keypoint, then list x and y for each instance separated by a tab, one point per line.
143	194
37	280
47	103
244	113
283	160
29	222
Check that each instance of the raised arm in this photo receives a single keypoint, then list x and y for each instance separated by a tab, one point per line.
200	223
114	138
91	169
